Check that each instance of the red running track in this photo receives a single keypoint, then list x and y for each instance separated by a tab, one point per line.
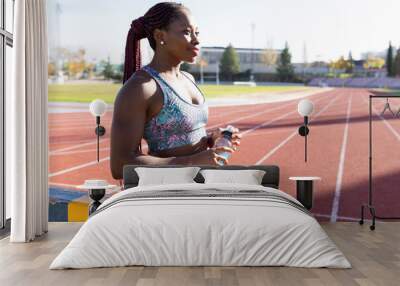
337	149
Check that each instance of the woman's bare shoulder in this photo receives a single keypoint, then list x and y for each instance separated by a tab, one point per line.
139	86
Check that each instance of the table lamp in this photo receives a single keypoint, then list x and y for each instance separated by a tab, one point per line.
98	108
305	108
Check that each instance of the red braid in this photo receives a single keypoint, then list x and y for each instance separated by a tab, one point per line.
132	48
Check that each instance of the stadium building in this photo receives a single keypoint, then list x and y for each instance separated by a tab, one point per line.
261	61
258	60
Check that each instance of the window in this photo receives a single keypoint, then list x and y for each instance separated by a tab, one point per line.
6	43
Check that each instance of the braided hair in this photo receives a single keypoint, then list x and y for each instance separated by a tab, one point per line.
157	17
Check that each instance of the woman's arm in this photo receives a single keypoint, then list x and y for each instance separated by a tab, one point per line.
127	128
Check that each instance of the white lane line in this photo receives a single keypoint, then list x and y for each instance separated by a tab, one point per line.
56	124
107	124
249	116
342	217
216	114
249	109
76	146
339	177
209	127
69	142
107	158
67	127
64	185
267	132
144	148
67	124
283	129
78	167
60	124
81	123
80	151
270	153
266	123
62	119
388	125
264	112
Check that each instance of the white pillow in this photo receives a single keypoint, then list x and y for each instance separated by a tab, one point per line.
249	177
162	176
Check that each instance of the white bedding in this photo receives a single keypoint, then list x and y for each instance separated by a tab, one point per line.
186	230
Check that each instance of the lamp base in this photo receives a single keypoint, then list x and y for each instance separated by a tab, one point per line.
96	195
100	130
303	130
304	193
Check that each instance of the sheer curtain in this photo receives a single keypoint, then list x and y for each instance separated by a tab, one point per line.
26	123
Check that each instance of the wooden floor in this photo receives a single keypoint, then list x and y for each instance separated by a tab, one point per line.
374	255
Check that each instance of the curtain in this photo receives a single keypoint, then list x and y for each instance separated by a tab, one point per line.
26	123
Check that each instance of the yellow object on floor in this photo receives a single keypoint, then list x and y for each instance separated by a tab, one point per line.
78	211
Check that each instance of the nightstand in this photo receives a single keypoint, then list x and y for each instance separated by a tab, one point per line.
304	190
97	190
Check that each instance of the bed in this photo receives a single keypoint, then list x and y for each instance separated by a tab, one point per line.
201	223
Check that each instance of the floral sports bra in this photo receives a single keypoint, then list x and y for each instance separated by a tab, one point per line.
178	123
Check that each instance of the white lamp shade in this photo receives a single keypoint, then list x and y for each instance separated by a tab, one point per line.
98	107
305	107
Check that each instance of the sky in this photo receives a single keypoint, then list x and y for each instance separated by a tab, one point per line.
327	29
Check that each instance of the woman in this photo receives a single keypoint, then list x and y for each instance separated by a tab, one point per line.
160	103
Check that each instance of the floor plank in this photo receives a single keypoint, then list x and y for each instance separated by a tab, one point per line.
374	255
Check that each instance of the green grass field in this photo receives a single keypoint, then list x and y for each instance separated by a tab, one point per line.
394	92
86	92
387	91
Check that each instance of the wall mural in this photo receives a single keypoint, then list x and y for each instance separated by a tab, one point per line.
310	118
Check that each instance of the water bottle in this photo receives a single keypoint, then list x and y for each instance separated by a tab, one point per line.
226	141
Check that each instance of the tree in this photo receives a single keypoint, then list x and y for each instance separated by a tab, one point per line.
108	71
397	63
285	68
350	64
269	57
117	73
229	65
373	62
89	70
318	64
342	64
51	69
389	61
72	63
75	68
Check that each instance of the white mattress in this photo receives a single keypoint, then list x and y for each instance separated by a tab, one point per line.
190	230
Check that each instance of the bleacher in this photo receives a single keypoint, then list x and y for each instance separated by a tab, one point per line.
245	83
384	82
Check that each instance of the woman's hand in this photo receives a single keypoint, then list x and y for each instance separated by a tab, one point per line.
236	136
210	156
